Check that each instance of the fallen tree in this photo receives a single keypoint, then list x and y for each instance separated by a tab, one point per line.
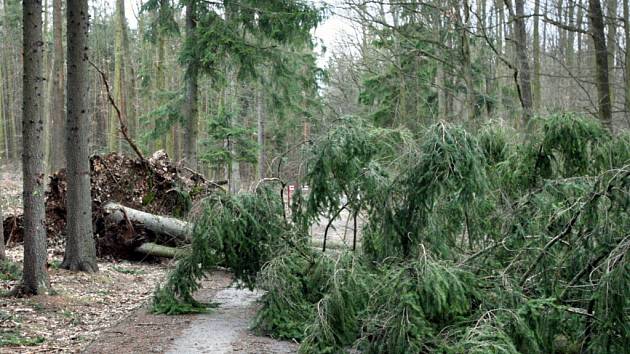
159	224
153	249
154	190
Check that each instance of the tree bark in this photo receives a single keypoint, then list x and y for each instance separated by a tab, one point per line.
190	106
158	224
611	45
524	76
536	44
260	134
113	139
56	95
2	247
35	276
153	249
601	62
626	29
80	253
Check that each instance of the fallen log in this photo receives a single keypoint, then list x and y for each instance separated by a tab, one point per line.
153	249
181	230
176	228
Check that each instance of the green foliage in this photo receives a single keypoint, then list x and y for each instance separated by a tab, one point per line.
337	323
163	117
571	139
240	232
493	140
345	163
14	338
222	129
294	282
545	224
10	271
447	167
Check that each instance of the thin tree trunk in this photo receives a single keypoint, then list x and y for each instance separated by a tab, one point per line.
190	106
235	166
260	135
536	44
2	248
466	63
113	139
9	89
56	95
524	76
611	45
569	52
80	251
626	31
129	83
3	129
35	276
601	62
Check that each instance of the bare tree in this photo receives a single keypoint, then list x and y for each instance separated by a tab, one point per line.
80	250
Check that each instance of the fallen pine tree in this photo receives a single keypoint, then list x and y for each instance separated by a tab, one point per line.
473	244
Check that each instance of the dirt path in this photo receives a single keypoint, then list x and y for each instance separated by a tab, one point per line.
226	329
223	330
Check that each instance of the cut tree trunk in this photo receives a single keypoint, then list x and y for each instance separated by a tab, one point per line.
153	249
158	224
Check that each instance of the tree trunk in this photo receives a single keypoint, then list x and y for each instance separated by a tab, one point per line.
56	95
9	89
536	44
524	76
611	45
601	62
80	253
626	29
190	106
260	135
113	139
466	62
158	224
153	249
35	276
129	81
569	52
235	166
2	247
4	137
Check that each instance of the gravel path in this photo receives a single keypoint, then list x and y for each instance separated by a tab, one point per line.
226	329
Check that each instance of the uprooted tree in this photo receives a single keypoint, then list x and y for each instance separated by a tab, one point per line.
134	205
473	244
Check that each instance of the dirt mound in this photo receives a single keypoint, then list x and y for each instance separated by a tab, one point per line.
157	187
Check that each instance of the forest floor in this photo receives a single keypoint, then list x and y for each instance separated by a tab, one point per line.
108	311
81	307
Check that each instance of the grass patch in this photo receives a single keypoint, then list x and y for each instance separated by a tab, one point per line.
14	338
124	270
10	271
